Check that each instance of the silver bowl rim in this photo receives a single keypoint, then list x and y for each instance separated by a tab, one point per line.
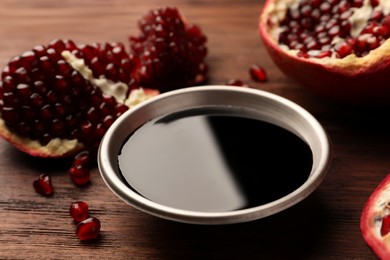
115	184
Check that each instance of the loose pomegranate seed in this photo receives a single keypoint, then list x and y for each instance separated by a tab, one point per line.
80	175
43	185
83	158
79	211
235	82
81	166
258	73
88	229
238	83
385	228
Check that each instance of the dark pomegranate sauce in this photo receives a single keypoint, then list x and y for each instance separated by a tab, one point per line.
213	162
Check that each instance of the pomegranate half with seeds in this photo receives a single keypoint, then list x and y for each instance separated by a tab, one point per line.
338	48
60	98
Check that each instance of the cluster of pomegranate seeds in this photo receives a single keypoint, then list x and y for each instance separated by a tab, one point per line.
43	185
44	98
258	73
79	211
168	52
88	229
108	60
325	28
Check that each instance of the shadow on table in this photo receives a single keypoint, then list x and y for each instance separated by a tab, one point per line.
296	233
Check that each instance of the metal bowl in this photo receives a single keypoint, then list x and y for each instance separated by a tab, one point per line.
257	104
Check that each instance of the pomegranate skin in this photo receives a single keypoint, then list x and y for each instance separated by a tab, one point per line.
351	80
374	211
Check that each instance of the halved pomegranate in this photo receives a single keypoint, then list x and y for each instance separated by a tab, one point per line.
58	99
337	48
375	220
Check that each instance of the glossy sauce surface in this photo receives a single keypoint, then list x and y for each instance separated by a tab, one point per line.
213	162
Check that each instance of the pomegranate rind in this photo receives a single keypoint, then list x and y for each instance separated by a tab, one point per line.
56	148
354	80
370	222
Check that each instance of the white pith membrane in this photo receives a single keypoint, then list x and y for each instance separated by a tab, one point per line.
277	9
58	147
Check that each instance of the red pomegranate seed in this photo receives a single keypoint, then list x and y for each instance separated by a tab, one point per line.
319	23
385	228
83	158
88	229
43	185
258	73
79	211
303	54
237	83
382	31
343	49
374	3
80	175
323	54
357	3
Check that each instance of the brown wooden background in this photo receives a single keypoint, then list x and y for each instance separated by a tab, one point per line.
323	226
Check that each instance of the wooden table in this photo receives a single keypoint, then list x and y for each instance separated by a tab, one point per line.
323	226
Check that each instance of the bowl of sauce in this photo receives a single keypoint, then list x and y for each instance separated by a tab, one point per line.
214	155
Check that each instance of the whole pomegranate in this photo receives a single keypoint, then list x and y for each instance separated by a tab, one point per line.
338	48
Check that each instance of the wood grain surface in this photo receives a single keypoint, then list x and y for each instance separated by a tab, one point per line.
323	226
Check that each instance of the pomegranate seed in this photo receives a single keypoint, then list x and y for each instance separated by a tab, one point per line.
43	185
385	228
80	175
88	229
382	31
83	158
343	49
357	3
237	83
343	6
376	15
78	210
374	3
258	73
373	42
325	7
322	54
303	54
23	91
